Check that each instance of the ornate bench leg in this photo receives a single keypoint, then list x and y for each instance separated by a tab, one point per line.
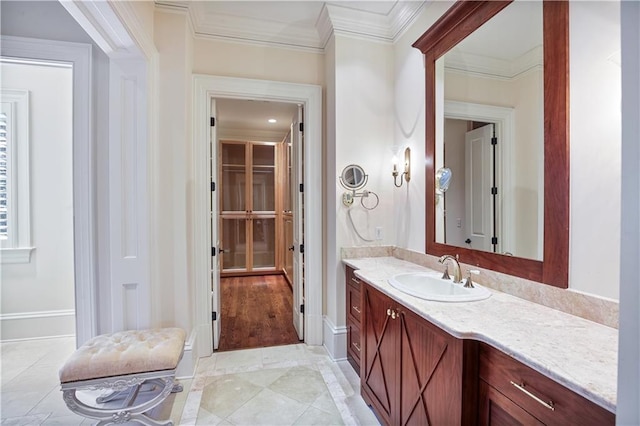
130	412
177	386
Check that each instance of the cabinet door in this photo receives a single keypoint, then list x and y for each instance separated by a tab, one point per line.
247	207
498	410
431	374
380	338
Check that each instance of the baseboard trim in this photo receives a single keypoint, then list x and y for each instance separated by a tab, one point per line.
37	325
335	340
187	365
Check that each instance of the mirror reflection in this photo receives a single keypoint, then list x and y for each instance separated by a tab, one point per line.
490	134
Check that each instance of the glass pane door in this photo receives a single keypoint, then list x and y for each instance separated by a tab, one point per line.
234	179
264	242
263	176
234	238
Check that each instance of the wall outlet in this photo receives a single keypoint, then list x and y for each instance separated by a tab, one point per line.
459	222
378	232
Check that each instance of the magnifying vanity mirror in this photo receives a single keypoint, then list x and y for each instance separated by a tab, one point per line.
497	116
353	177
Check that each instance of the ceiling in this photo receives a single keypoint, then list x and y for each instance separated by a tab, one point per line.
302	24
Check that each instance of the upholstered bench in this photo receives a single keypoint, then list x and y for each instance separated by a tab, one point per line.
122	363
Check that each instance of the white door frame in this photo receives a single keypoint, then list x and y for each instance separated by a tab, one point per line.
84	226
310	96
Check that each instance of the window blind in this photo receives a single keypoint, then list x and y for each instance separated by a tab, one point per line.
4	160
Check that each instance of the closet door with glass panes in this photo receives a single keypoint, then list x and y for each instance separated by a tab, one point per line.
248	207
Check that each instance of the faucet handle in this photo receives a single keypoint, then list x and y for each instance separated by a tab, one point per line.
468	283
445	275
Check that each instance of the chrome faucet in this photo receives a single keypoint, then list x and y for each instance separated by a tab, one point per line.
457	273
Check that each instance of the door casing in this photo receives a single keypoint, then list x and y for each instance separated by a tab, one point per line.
310	97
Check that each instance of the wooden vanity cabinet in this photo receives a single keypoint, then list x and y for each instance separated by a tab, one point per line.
414	373
512	393
354	313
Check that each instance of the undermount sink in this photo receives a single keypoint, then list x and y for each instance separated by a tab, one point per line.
431	286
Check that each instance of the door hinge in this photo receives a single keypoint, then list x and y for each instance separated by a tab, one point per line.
494	190
302	308
302	127
213	121
302	187
494	141
301	248
494	240
213	251
214	316
213	186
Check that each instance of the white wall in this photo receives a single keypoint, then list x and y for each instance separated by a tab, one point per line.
628	410
595	114
359	131
595	142
39	295
409	114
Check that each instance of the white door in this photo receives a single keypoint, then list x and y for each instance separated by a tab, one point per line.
297	198
478	184
215	239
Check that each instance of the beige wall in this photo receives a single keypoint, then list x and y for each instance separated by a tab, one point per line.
173	301
221	58
180	56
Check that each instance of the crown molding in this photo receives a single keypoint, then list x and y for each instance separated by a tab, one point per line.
333	18
336	19
492	67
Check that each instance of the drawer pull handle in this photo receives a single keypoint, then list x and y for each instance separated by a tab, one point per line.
521	387
355	280
355	308
357	346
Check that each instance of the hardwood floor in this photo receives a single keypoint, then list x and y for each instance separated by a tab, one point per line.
256	312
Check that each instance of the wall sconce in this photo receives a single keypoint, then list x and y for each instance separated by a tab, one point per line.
407	168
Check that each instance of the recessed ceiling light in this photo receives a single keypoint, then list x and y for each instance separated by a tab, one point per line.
272	120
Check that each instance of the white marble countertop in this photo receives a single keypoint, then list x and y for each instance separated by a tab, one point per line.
580	354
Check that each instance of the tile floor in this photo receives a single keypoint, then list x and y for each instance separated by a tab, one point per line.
284	385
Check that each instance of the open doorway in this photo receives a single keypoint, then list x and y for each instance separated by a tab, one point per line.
206	90
259	213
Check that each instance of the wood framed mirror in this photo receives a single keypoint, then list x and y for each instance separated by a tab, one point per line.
461	20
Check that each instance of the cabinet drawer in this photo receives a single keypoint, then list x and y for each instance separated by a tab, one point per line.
545	399
354	306
352	279
355	346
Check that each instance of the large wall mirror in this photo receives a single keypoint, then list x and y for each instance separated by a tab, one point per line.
497	118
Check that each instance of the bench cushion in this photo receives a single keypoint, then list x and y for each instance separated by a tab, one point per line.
125	352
